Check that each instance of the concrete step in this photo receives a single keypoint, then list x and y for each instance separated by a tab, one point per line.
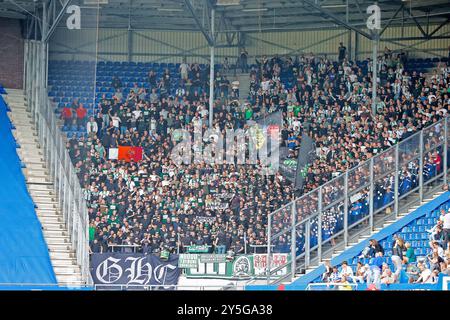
39	180
48	205
25	123
71	262
50	216
54	227
42	193
34	161
62	255
59	240
62	247
41	172
40	187
47	219
67	270
56	233
68	279
25	136
34	155
45	199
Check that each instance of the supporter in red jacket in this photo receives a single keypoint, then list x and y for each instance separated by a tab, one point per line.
81	115
66	115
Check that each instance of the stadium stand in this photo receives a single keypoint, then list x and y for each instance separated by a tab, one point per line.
417	230
316	95
24	257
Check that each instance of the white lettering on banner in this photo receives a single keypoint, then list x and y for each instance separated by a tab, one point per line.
260	263
139	274
161	271
208	269
105	269
241	267
73	22
374	20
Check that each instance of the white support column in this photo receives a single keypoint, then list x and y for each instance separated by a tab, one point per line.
293	241
211	73
319	226
374	72
445	156
371	195
396	181
346	209
269	251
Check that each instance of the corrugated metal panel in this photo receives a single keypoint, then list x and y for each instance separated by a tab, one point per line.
321	42
170	46
114	41
418	48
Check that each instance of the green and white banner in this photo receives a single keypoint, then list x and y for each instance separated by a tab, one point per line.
239	267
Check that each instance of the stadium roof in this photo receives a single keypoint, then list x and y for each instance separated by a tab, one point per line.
240	15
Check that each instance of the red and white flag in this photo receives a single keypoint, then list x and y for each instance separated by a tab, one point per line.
127	154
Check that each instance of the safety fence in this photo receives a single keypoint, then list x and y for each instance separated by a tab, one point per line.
65	181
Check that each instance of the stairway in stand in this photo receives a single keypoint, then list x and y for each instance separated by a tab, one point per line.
244	86
42	190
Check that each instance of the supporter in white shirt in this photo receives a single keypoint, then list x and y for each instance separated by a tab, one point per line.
346	271
184	68
137	113
446	228
265	85
115	121
92	126
425	275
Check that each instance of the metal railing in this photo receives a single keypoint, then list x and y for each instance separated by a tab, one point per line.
356	202
65	181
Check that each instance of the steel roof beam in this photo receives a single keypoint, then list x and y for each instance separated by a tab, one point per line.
336	19
207	36
56	20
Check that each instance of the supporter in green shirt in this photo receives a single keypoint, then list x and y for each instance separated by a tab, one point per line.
297	109
409	255
248	113
91	232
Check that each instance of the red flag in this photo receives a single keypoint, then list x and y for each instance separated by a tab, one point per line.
130	153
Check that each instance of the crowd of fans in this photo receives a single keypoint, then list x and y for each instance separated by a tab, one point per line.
153	204
332	103
405	266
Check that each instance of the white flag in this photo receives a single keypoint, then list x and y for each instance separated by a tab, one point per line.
113	153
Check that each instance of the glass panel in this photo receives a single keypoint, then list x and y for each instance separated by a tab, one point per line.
358	205
300	238
333	191
432	163
281	220
314	233
433	136
408	176
332	221
409	148
384	163
359	177
383	191
307	205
